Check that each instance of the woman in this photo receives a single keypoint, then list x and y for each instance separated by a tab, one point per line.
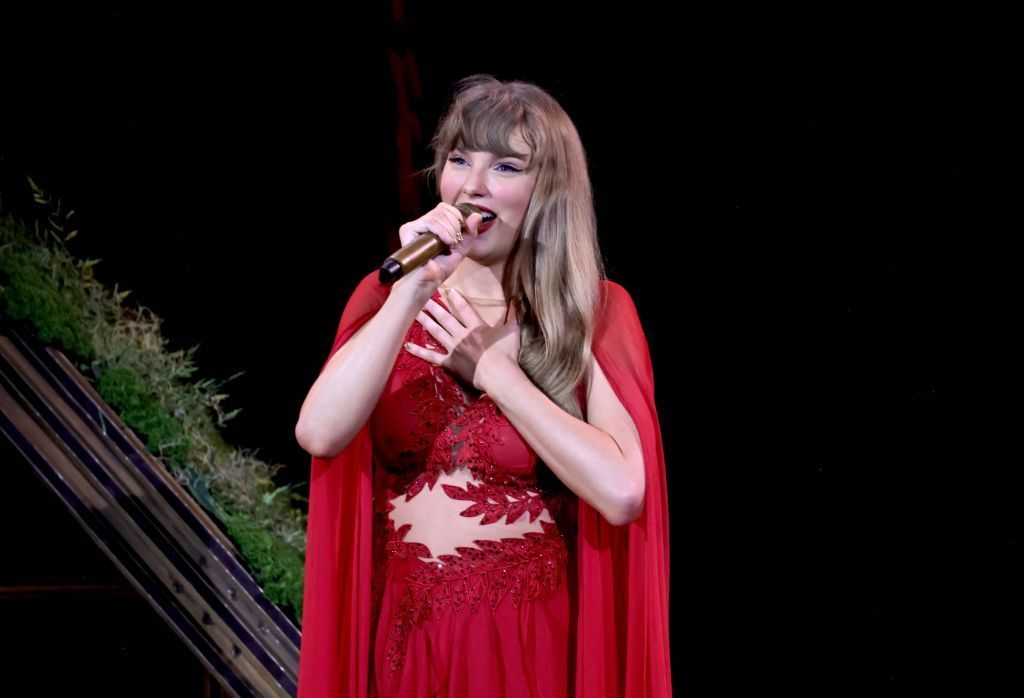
488	513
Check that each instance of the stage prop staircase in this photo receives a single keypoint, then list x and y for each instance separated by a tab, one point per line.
165	544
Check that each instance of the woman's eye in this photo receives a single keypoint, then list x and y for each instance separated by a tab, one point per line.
458	159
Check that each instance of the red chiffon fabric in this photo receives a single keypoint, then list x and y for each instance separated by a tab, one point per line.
511	651
595	627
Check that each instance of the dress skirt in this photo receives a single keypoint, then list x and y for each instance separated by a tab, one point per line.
475	648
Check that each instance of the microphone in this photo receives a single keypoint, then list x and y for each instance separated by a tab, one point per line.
418	252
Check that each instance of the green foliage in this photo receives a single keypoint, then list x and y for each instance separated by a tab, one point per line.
140	409
278	566
40	285
122	351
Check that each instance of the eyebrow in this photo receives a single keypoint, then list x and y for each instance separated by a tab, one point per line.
522	156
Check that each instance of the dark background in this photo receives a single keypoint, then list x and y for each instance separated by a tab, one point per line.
796	205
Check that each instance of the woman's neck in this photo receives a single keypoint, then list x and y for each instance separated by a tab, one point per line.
475	281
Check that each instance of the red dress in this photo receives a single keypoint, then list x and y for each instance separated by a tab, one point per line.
444	559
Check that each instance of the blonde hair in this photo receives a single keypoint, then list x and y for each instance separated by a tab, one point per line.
555	266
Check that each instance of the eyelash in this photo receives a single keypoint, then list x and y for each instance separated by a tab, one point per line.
453	158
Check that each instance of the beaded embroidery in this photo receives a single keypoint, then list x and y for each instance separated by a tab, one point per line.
496	501
522	569
450	434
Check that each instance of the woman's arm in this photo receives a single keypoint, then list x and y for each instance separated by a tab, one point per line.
601	461
348	388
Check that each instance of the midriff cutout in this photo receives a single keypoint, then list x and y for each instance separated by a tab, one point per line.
437	522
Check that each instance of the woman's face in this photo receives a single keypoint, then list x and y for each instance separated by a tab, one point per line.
502	185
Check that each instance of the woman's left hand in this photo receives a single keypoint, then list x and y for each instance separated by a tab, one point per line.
476	350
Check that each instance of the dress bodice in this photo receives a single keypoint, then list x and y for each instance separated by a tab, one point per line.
457	496
450	464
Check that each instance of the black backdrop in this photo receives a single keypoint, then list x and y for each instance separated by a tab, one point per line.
789	201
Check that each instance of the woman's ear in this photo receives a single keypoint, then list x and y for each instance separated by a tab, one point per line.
520	310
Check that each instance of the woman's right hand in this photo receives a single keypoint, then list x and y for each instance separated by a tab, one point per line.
444	221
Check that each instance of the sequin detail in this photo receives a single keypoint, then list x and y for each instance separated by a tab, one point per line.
446	434
520	569
496	501
449	434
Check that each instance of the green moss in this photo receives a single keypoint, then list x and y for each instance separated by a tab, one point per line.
141	410
34	291
278	566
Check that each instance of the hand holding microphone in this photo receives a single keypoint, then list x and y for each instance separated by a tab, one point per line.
435	241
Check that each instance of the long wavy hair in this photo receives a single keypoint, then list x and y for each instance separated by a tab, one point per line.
555	266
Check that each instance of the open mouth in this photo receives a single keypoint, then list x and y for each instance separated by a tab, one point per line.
487	222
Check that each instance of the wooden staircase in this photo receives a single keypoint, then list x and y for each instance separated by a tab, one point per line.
169	551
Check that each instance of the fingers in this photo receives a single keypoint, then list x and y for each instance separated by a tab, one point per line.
450	322
454	217
445	225
425	354
470	224
460	306
431	326
444	221
473	223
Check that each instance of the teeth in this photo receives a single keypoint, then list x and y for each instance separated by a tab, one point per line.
487	216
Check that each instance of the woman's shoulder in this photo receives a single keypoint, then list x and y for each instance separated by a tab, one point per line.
365	299
369	291
615	300
371	283
619	333
617	318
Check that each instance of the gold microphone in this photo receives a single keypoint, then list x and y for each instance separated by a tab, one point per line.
418	252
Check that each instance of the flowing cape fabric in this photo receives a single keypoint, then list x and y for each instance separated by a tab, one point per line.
622	577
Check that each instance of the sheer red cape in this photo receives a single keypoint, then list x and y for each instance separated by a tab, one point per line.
621	595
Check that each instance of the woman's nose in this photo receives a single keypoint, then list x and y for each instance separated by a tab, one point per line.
475	183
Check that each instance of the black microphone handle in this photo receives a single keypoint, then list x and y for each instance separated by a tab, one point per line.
418	252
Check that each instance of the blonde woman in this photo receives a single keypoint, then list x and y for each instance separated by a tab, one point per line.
488	514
